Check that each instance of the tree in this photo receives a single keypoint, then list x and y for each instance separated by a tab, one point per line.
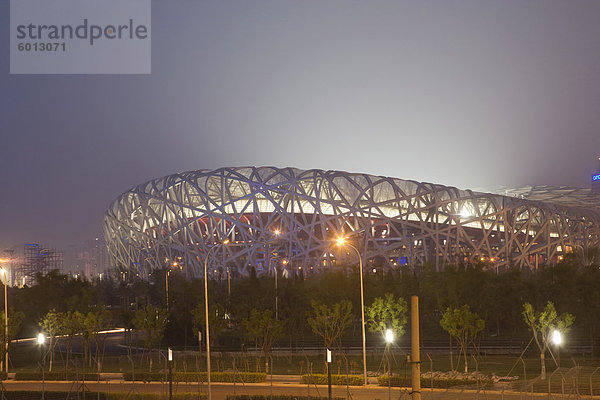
151	322
217	319
264	330
330	322
387	313
15	318
464	325
94	322
71	325
542	324
51	325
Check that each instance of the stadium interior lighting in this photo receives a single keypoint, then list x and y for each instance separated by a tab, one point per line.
465	213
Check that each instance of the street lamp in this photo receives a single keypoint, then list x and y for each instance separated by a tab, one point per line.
3	272
41	339
284	262
167	288
277	233
175	264
389	336
389	339
557	340
206	314
342	242
556	337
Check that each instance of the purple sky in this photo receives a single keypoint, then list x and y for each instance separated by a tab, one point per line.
475	94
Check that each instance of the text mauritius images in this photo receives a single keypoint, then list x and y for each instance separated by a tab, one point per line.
84	31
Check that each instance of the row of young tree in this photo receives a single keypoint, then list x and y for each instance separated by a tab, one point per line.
237	308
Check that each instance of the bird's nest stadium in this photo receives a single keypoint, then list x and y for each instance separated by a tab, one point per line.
272	215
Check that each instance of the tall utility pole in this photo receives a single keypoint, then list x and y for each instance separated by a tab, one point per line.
415	354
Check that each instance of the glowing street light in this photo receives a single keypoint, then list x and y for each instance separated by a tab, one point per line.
41	339
175	264
389	339
556	337
277	233
389	336
206	315
284	262
342	242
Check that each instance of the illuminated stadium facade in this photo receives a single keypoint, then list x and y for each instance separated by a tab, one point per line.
271	214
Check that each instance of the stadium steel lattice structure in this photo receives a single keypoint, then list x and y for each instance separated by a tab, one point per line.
395	223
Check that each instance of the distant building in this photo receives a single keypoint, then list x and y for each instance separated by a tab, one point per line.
87	260
596	180
35	259
273	213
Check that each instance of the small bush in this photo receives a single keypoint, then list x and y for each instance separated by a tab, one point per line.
33	395
148	396
145	376
190	377
277	397
321	379
247	377
56	376
382	380
49	395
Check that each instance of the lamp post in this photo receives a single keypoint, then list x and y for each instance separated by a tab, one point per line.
167	289
3	272
276	233
389	339
167	273
328	374
41	339
284	262
557	340
342	242
170	359
206	315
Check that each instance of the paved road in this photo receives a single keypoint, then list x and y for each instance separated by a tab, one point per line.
221	390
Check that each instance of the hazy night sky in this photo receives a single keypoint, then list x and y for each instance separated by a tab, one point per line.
472	94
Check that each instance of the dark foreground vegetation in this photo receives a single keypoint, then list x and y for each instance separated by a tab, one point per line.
243	313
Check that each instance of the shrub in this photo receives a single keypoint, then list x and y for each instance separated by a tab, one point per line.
277	397
49	395
247	377
321	379
56	376
382	380
148	396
